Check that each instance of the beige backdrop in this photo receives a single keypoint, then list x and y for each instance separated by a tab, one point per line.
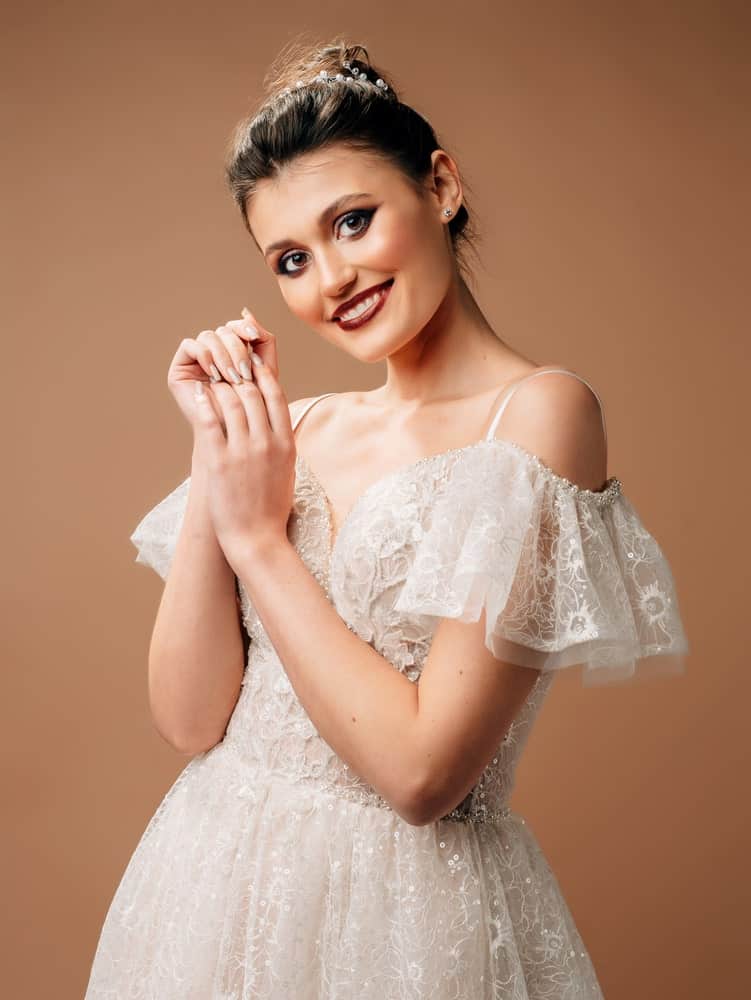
604	149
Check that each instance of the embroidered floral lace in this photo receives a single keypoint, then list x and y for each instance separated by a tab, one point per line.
270	870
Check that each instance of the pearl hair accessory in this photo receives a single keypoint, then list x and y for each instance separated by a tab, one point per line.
357	75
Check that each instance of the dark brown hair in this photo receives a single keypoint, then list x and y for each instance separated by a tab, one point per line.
295	120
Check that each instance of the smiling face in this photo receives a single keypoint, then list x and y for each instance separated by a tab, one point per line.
325	250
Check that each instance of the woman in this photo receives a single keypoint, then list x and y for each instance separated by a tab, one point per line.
451	535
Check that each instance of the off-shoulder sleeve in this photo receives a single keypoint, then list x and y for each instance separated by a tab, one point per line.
565	576
155	535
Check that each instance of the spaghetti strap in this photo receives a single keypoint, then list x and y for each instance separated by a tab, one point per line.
543	371
311	402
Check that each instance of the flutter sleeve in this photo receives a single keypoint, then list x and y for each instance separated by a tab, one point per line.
564	576
155	535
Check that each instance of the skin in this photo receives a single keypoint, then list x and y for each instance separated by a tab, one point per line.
422	746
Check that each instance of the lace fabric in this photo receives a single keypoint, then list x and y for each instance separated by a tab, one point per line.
271	871
155	536
566	576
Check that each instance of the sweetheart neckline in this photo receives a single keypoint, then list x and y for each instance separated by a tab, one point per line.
610	489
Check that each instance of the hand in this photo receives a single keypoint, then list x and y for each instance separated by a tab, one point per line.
227	346
244	433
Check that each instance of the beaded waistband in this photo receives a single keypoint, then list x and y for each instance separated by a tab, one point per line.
480	814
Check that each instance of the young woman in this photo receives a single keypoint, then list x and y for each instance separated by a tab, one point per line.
413	566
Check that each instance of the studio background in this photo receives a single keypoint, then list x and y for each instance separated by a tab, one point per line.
607	155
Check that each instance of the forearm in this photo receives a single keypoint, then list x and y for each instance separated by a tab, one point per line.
196	655
361	705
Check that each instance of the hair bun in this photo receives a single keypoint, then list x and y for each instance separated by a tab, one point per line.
300	63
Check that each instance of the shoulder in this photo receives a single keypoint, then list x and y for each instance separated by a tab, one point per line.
297	404
558	417
324	415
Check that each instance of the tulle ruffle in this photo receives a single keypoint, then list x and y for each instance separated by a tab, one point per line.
564	576
155	536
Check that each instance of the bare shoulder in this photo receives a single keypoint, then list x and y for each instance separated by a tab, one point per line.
298	405
330	409
558	417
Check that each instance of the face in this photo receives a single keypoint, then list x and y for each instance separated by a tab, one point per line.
322	256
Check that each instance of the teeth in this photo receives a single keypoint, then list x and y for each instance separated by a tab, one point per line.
361	307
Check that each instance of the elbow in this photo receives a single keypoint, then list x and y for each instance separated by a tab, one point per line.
421	805
191	748
416	815
436	795
187	743
421	810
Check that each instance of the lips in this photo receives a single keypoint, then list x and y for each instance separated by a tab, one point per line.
351	303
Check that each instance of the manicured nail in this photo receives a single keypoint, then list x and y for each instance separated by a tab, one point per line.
256	359
250	330
233	374
215	373
245	369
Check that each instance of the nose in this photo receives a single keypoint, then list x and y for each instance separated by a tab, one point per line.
336	274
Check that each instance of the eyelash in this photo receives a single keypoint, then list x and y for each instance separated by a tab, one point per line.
366	213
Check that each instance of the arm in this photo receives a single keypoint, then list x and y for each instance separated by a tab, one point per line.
199	645
196	654
421	746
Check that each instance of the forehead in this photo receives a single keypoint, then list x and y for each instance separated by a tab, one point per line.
309	183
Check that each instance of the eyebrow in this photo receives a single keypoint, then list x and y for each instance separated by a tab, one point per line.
325	214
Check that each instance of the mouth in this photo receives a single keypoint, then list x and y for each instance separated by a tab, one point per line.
365	307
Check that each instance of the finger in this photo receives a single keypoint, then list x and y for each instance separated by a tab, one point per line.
275	400
206	426
249	397
237	350
244	413
192	360
266	344
246	331
222	363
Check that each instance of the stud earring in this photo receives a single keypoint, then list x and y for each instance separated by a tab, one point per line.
448	211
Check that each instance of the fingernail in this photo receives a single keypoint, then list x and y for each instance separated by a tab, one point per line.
215	373
245	312
251	330
233	374
256	359
245	369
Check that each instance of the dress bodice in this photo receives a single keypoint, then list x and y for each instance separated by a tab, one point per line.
565	576
361	575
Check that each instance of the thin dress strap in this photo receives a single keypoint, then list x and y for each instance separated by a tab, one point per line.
543	371
311	402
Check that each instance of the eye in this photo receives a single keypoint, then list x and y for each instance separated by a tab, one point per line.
281	269
362	214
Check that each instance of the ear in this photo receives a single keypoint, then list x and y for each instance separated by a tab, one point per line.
446	183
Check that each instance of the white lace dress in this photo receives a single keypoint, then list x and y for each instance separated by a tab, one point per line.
271	871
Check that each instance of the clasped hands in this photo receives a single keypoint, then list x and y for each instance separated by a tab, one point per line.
242	431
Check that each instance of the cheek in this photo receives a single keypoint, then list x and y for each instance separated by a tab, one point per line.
300	300
386	251
395	243
408	244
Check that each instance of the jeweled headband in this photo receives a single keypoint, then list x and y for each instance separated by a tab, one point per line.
357	75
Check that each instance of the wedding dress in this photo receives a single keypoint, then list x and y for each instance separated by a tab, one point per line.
271	871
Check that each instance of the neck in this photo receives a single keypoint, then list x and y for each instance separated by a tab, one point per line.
458	354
